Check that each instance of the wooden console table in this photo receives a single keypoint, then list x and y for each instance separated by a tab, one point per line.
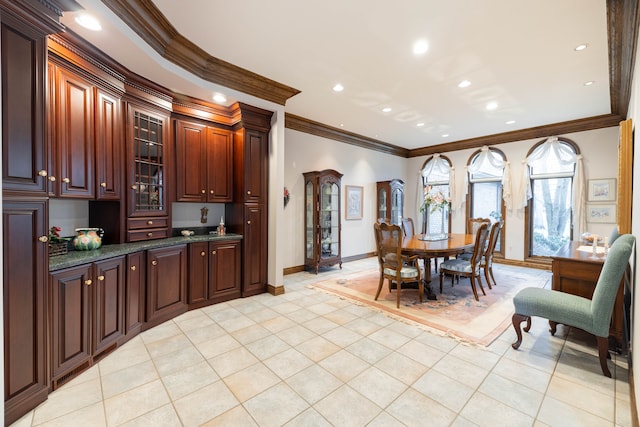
576	272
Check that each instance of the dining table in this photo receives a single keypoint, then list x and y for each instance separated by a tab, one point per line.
427	246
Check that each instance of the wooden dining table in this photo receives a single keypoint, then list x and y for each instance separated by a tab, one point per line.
427	247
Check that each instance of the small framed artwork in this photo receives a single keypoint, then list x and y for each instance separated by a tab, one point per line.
602	190
353	202
601	213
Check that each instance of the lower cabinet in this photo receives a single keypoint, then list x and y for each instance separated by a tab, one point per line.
214	272
166	283
134	294
87	315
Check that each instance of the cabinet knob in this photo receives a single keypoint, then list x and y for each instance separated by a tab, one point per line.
134	187
154	262
42	172
133	268
213	252
203	253
149	222
248	222
203	191
101	278
52	178
43	239
87	282
211	192
249	192
149	234
103	184
66	180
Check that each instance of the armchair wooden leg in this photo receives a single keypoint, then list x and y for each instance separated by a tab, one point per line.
492	278
486	276
516	320
379	287
603	353
473	287
553	327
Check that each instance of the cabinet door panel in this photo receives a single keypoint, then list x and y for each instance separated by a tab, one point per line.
108	315
24	276
256	167
135	292
224	269
198	271
74	118
255	250
191	161
219	165
166	278
109	141
70	302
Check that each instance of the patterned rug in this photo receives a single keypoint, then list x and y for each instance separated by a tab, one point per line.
455	312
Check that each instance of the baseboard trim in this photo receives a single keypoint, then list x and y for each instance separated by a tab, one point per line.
275	290
526	264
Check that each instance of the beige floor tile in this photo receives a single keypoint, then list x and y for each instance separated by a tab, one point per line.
288	363
67	400
164	416
344	365
232	361
195	321
250	334
277	323
205	404
485	411
136	402
476	355
461	370
583	398
401	367
523	374
92	415
437	340
217	346
557	413
186	381
345	406
132	353
422	353
310	417
362	326
385	420
236	417
160	332
369	350
415	409
387	336
126	379
342	336
251	381
320	325
341	317
444	390
296	335
377	386
512	394
181	359
236	323
313	383
317	348
261	407
204	334
168	345
267	347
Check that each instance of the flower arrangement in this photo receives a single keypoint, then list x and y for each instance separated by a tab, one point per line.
434	200
54	235
286	196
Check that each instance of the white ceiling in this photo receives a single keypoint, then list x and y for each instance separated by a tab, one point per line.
517	53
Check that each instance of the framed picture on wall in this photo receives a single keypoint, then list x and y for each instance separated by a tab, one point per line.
353	203
601	213
602	190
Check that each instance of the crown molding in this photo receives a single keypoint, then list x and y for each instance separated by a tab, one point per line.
143	17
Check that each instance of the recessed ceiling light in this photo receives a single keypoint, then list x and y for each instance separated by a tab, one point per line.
88	22
338	88
464	83
420	47
580	47
509	122
444	135
589	83
219	98
341	124
386	109
420	125
492	105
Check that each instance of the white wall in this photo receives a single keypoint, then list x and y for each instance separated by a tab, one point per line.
305	153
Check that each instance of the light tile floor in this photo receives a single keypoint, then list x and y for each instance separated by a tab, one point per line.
308	358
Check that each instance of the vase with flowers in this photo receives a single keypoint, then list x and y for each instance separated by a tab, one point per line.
435	208
58	245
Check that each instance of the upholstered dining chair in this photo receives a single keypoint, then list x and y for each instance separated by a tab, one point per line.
407	227
591	315
472	228
468	268
394	266
486	262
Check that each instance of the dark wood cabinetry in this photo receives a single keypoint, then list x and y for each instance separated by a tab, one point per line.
87	312
24	276
166	283
214	272
148	155
109	131
135	294
203	163
322	219
390	201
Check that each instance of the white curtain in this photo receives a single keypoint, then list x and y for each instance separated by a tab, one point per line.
565	156
441	166
485	157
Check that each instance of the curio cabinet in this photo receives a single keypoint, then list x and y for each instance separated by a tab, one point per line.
390	201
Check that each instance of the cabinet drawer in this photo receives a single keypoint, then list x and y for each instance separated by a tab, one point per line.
148	234
140	223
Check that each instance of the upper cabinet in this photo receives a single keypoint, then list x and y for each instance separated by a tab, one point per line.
390	201
203	162
148	152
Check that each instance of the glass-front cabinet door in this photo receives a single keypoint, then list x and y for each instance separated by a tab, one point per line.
322	219
390	203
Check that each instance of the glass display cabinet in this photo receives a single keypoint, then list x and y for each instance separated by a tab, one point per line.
390	201
322	219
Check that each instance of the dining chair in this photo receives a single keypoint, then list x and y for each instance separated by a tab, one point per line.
591	315
486	262
407	227
468	268
394	266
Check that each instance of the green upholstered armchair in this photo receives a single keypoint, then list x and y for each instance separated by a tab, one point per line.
591	315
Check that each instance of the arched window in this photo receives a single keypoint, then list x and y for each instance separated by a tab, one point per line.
488	184
436	176
554	195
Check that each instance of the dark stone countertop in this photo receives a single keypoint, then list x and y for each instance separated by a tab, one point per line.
74	258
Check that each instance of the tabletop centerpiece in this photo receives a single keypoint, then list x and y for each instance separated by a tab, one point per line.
435	208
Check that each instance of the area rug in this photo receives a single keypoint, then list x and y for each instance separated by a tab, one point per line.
455	312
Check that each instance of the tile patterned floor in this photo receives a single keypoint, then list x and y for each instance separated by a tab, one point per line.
307	358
